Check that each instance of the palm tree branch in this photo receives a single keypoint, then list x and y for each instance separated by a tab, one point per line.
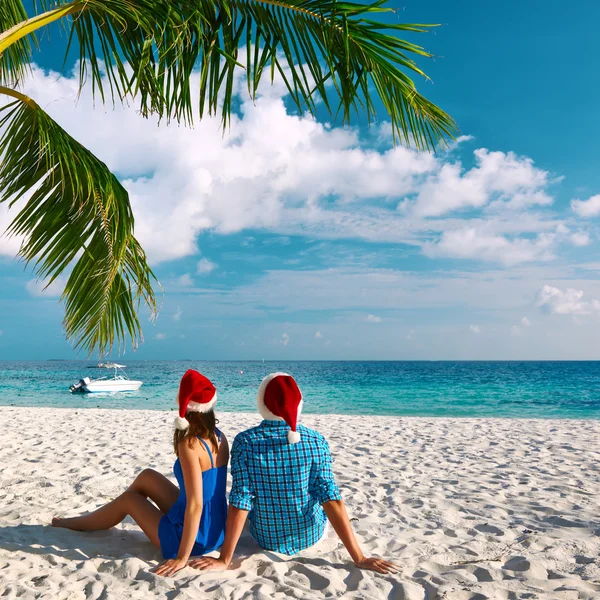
27	27
151	48
77	218
311	42
22	97
14	60
73	212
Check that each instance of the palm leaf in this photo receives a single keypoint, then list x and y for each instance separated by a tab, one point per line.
324	48
14	61
310	43
79	213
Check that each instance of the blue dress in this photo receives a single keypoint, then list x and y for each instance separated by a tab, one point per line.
211	530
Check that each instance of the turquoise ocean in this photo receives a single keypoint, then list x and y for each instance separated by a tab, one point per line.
452	389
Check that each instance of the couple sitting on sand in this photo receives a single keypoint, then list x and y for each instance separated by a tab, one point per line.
282	483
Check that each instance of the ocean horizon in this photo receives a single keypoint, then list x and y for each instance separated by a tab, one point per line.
513	389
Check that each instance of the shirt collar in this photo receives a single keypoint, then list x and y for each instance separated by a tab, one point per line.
271	423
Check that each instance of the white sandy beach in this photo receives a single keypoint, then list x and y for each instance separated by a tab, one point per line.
469	508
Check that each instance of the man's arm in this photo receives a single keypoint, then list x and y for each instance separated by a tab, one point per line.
338	517
324	489
236	519
240	503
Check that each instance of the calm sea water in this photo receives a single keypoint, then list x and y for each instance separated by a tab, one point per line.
482	389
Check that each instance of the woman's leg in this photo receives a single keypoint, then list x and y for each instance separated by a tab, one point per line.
148	484
157	487
144	513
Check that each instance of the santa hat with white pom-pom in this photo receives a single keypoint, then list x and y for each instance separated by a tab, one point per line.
280	399
196	394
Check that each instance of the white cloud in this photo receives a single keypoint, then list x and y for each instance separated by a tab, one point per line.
177	314
480	243
365	290
205	266
318	335
515	330
580	238
185	280
410	335
374	319
285	339
9	246
587	208
160	336
504	178
568	302
251	179
40	289
461	139
474	329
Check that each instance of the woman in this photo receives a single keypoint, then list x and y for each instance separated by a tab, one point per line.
189	520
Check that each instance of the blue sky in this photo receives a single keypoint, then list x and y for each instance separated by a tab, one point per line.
294	239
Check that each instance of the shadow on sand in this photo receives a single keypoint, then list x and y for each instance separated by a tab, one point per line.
77	545
113	544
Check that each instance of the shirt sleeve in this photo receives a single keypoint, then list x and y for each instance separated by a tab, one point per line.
241	494
322	486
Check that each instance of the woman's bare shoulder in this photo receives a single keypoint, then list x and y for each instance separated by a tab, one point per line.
188	445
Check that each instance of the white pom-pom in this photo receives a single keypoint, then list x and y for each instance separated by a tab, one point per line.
181	423
293	437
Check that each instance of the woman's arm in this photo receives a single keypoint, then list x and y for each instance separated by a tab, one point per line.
338	517
236	519
192	479
240	503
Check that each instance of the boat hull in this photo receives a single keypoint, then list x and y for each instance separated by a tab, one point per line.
98	387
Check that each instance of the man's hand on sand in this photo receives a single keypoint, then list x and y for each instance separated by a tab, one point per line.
377	564
206	563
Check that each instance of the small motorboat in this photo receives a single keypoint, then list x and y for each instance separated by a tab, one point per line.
118	383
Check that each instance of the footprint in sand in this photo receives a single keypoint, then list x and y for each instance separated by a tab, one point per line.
413	503
308	578
485	528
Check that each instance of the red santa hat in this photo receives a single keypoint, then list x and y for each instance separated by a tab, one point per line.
279	399
196	394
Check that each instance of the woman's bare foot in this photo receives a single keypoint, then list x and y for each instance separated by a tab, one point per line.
58	522
66	523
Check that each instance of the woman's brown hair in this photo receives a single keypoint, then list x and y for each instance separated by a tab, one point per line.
203	425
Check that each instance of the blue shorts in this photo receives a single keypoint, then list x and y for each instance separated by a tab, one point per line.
169	535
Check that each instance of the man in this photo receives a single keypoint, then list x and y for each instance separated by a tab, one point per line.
283	483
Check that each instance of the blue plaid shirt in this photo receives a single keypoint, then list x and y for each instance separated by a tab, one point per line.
282	485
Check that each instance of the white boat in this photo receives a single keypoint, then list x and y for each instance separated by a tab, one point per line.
118	383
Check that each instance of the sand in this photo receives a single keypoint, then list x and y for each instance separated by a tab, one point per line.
469	508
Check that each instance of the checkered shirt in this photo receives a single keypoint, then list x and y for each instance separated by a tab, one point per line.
283	485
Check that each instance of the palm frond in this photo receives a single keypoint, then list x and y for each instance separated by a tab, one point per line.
338	51
79	213
14	61
334	50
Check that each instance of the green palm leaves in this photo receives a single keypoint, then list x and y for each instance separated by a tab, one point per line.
76	212
74	215
14	60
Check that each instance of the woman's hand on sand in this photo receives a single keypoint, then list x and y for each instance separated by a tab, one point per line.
170	567
378	565
206	563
